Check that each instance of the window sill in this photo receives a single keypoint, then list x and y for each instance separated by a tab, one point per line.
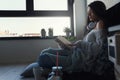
25	38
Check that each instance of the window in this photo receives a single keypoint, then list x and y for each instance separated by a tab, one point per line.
31	26
12	4
23	18
50	5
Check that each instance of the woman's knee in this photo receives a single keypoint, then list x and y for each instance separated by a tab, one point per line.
46	50
45	61
42	58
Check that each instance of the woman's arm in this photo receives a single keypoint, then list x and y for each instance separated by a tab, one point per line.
94	46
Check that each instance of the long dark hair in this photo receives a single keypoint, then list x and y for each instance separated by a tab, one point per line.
99	10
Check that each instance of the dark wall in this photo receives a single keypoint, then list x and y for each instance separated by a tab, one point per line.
113	15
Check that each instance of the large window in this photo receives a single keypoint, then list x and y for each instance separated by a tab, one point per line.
23	18
31	26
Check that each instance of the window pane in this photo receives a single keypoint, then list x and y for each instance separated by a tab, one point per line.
12	4
22	26
50	5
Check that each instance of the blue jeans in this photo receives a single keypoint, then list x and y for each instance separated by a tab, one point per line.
45	61
47	57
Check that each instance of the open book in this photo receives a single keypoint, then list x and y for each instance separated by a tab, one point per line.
63	41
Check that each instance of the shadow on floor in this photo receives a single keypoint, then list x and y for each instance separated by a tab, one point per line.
87	76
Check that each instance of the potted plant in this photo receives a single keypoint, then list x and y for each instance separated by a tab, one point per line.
67	31
50	32
43	33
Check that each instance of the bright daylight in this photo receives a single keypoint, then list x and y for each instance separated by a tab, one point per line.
32	26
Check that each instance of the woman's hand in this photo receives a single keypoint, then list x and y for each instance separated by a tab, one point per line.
62	46
76	43
69	46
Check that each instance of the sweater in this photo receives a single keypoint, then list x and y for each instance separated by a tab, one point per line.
90	54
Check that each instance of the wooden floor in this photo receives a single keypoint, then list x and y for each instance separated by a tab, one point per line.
12	72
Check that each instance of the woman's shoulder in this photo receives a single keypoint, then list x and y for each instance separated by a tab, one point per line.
100	25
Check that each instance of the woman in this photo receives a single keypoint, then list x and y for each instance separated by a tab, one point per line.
87	54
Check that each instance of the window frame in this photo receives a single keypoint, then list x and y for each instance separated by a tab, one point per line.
30	12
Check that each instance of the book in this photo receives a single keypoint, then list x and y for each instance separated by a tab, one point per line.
63	41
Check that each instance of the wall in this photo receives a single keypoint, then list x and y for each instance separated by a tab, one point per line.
22	51
80	14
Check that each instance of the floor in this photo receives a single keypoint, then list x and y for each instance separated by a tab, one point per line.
12	72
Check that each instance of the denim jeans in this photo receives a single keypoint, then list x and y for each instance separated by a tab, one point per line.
45	61
47	57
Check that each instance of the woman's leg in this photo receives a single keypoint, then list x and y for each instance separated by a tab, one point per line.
54	51
45	61
49	60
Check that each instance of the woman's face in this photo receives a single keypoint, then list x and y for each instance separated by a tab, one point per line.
91	15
